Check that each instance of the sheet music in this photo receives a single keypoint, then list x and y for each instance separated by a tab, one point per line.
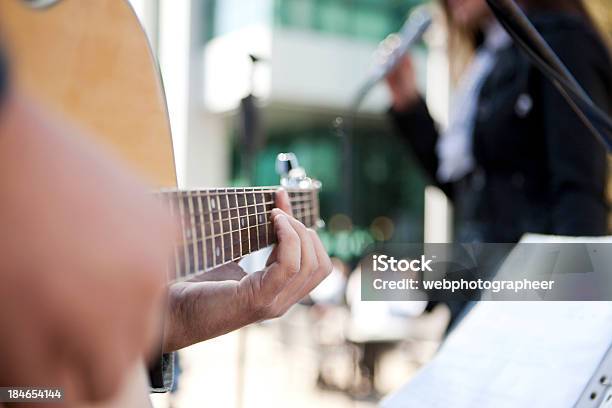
514	354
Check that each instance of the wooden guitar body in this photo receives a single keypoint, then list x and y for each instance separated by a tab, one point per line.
91	62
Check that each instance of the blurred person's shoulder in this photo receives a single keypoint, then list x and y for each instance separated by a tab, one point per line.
570	34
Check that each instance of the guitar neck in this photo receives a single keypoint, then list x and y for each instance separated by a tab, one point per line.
222	225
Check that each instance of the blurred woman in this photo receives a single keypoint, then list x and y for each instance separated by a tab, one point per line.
514	158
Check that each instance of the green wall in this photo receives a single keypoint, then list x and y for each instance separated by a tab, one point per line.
387	181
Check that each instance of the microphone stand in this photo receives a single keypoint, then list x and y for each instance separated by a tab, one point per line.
344	127
345	130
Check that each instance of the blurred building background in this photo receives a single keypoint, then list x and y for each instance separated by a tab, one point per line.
311	58
246	80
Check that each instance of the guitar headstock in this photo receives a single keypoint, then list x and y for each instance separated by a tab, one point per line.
303	190
293	176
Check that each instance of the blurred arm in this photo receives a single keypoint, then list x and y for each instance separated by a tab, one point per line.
411	117
417	127
84	248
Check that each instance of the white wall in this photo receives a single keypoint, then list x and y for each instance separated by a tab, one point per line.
315	69
301	68
200	140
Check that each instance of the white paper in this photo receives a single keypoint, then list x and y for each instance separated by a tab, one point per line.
514	354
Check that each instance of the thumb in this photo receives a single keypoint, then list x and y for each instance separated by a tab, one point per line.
288	256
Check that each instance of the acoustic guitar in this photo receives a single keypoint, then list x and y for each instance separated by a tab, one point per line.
90	61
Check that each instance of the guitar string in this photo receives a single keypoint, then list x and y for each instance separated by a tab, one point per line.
236	210
191	258
237	190
217	241
294	205
240	229
226	226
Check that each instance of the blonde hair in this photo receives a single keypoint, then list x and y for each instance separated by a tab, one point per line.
461	47
601	13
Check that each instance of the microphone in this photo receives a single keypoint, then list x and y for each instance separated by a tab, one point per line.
391	51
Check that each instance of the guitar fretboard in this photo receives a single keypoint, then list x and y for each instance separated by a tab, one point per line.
222	225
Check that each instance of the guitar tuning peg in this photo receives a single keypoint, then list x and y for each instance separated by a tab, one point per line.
292	175
285	162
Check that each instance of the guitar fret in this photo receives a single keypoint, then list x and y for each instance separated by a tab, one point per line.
252	220
211	251
312	220
235	223
198	233
267	205
257	221
208	243
266	218
203	232
249	206
217	240
189	246
247	221
228	233
192	215
240	202
177	265
185	251
221	229
231	236
262	223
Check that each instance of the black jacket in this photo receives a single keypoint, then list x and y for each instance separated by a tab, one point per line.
538	169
